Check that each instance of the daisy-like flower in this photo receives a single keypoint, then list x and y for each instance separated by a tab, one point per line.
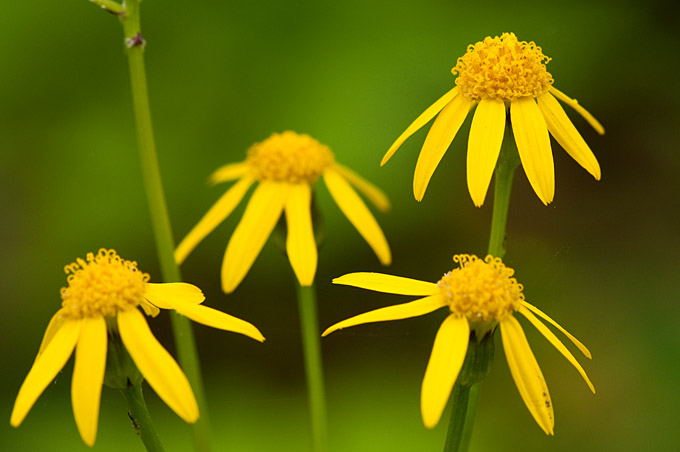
286	166
497	75
480	294
101	301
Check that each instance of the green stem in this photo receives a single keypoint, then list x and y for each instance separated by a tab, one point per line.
461	397
184	337
505	171
139	415
313	366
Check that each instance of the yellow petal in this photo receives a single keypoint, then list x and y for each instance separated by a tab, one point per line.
533	144
526	373
149	309
542	315
556	343
370	191
358	214
397	312
231	171
446	360
56	322
168	295
156	365
88	376
566	134
380	282
484	146
438	139
259	219
573	103
45	368
217	213
300	243
420	121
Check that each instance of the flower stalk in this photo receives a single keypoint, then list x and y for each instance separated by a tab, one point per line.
141	420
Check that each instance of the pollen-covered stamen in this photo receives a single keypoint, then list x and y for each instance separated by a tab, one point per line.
502	69
289	157
102	285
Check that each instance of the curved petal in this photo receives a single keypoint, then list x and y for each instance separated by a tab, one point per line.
526	373
573	103
397	312
230	171
157	366
56	322
149	309
542	315
217	213
380	282
566	134
88	377
300	243
533	145
169	295
446	360
370	191
419	122
217	319
438	139
259	219
45	368
484	146
358	214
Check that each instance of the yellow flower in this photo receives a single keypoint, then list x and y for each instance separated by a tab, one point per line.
480	295
498	74
103	294
286	166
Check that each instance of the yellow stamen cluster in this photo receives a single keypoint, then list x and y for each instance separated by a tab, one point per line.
482	290
102	285
289	157
502	69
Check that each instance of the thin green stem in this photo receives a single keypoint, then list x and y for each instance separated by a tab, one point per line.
461	396
311	345
505	171
139	415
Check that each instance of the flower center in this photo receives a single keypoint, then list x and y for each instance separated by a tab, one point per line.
289	157
102	285
481	290
502	69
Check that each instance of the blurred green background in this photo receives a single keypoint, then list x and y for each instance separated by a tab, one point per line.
602	259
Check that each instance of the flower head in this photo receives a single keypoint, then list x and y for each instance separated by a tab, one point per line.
101	301
496	75
285	166
480	295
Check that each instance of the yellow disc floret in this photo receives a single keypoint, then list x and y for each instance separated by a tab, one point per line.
289	157
502	69
102	285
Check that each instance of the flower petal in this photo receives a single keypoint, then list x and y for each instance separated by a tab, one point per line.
56	322
380	282
484	146
542	315
370	191
168	295
300	243
573	103
217	213
397	312
45	368
438	139
526	373
259	219
358	214
566	134
446	360
157	366
533	144
88	376
231	171
556	343
420	121
217	319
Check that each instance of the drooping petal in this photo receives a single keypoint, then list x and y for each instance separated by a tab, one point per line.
45	368
149	309
88	377
438	139
526	373
420	121
259	219
561	127
217	213
573	103
533	145
168	295
56	322
397	312
446	360
380	282
217	319
300	243
484	146
556	343
370	191
228	172
159	368
542	315
358	214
